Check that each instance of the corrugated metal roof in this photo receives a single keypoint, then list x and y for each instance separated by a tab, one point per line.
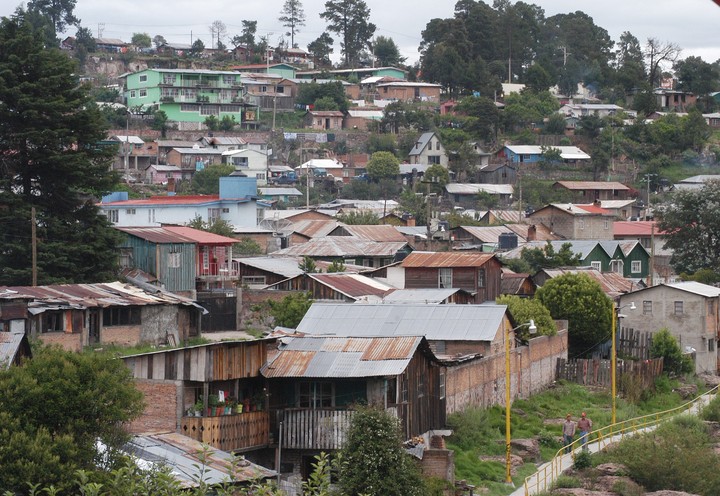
279	192
82	296
309	356
612	284
542	232
315	228
473	189
289	266
375	233
182	455
342	246
423	295
697	288
601	185
177	234
435	322
10	343
566	152
168	200
353	285
486	234
445	259
421	143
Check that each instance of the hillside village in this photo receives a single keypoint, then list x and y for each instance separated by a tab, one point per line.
399	213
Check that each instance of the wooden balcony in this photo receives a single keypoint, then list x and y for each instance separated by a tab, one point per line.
237	432
314	429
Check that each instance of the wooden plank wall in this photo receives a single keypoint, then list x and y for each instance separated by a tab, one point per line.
229	432
633	343
595	372
315	429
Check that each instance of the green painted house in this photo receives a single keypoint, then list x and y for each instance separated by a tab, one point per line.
360	73
188	96
625	257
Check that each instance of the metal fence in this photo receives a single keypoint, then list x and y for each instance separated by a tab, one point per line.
543	479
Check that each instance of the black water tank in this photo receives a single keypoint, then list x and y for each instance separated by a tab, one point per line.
507	241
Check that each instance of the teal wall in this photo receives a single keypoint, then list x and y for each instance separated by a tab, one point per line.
150	257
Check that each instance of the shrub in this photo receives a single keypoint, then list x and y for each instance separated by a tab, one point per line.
583	460
566	481
712	411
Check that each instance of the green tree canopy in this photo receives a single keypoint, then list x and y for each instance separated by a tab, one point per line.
349	19
207	181
310	93
321	48
547	258
49	134
690	220
292	16
665	346
289	311
141	40
387	52
580	300
61	403
359	218
382	165
372	461
60	13
524	309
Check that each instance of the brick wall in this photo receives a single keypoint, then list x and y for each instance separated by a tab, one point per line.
121	335
162	406
482	382
69	341
439	463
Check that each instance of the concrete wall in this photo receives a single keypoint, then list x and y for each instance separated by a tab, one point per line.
481	382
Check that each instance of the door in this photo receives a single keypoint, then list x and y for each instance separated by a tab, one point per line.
94	326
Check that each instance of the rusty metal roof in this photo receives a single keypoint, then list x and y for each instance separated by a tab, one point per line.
446	259
314	228
542	232
380	232
342	247
309	356
353	285
10	344
612	283
81	296
587	185
486	234
177	234
182	455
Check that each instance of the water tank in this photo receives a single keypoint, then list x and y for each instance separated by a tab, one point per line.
507	241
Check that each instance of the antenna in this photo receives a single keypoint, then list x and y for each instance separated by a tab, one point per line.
101	29
280	228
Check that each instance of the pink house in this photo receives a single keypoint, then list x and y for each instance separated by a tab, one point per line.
162	174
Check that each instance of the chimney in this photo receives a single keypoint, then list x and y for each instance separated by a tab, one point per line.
532	233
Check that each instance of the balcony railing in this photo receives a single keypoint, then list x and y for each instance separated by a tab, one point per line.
315	429
217	270
230	432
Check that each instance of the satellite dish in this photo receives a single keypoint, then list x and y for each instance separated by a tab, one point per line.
280	227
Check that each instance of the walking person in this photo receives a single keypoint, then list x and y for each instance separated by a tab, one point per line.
584	425
568	433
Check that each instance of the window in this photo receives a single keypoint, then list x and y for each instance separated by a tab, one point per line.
434	160
168	78
209	110
280	89
481	278
678	308
174	260
230	109
647	307
581	224
596	265
226	210
263	89
126	257
315	395
617	266
151	215
349	261
445	278
143	78
607	224
404	388
53	322
253	280
260	176
636	266
711	344
259	215
206	258
213	214
421	386
121	316
189	107
228	79
441	385
130	211
132	93
113	215
143	93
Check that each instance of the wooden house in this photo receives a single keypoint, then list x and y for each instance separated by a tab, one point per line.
183	385
477	273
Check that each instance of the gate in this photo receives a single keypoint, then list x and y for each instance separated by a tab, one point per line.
221	309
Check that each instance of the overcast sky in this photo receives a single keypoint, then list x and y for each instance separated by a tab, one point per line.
692	24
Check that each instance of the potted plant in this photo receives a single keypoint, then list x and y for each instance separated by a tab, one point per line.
198	408
213	400
220	408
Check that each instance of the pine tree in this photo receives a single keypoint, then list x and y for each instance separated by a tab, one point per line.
50	132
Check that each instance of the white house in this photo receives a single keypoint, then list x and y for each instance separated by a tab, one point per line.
428	150
252	163
237	204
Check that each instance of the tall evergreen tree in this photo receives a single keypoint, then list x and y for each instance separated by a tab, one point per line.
51	161
349	19
293	17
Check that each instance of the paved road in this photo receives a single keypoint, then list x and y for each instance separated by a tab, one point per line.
566	461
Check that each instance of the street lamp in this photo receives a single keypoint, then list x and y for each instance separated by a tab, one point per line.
532	328
613	354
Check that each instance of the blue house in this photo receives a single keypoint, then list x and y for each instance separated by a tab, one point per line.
518	154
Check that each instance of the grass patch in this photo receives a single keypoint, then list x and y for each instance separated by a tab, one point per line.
120	351
480	433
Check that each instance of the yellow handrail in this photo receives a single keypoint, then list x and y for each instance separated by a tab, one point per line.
547	474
